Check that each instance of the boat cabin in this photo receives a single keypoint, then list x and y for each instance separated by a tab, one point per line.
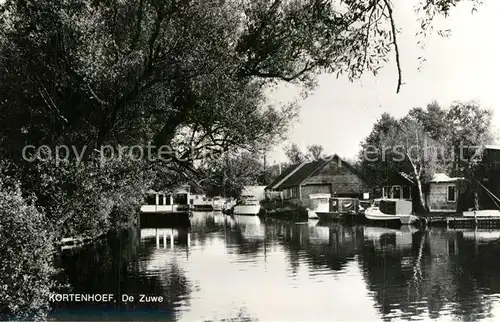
344	205
248	200
395	206
319	202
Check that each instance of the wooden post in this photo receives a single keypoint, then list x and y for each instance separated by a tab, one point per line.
172	239
165	240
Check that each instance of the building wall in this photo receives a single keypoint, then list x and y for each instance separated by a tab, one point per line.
437	197
310	189
342	179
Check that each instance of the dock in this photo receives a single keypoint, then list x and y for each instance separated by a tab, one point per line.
460	221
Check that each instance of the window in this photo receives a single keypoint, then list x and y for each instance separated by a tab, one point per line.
160	200
385	192
180	199
151	199
396	192
451	194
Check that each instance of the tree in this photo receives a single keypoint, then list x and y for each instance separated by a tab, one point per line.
294	154
375	158
470	130
315	152
230	173
426	141
411	143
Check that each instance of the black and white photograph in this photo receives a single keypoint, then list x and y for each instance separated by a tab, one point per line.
249	160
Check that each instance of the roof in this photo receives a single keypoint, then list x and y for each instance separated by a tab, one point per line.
307	169
302	173
284	175
443	177
492	147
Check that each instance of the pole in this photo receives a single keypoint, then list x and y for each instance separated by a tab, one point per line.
265	182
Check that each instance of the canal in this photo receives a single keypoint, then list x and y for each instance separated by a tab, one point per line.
247	269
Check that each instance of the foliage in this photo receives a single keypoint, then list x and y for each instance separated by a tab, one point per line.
315	152
93	72
294	154
26	253
229	174
87	199
376	158
426	141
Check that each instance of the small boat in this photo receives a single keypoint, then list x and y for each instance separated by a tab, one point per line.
396	211
247	205
318	202
338	208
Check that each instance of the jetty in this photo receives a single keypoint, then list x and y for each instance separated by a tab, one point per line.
464	220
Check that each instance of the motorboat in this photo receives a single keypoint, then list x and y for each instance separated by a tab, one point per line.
247	205
318	202
391	211
338	208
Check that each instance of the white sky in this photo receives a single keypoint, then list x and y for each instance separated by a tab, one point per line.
339	114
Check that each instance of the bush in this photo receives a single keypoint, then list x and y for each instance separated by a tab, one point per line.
26	248
88	199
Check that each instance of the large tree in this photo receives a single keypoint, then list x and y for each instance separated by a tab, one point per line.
426	141
94	72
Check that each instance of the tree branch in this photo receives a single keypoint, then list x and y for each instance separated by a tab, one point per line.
395	43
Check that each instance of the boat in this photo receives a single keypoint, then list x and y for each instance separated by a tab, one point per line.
338	208
318	202
218	203
166	203
397	211
247	205
203	204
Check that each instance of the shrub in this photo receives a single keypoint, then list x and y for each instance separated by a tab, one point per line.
26	248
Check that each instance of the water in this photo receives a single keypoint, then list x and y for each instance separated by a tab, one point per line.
243	268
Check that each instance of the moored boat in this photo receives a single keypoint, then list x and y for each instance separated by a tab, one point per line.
318	202
394	211
338	208
247	205
166	203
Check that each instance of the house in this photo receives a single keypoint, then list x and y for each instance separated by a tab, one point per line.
329	175
271	190
399	185
443	193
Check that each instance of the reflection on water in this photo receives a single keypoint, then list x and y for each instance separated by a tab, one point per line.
247	268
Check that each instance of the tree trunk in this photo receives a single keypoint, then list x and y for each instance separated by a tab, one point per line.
421	195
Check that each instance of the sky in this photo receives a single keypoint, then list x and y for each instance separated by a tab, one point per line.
340	114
